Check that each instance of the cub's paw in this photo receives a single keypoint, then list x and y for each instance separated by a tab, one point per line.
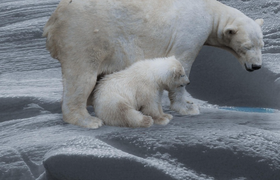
162	121
147	121
168	116
90	122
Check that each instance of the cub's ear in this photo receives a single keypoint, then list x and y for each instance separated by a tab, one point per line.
230	30
175	73
259	22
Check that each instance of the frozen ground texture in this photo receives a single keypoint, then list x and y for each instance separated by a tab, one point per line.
35	144
217	144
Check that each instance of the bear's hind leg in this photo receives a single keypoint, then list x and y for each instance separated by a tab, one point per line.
78	82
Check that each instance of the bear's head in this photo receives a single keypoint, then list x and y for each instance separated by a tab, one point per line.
176	76
244	38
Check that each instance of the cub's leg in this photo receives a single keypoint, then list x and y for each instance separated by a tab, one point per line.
154	109
163	120
168	116
79	79
133	118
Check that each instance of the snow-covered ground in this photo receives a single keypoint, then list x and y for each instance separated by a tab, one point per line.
221	143
217	144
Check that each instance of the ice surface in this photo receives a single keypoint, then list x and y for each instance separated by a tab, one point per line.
217	144
45	84
222	145
12	166
85	158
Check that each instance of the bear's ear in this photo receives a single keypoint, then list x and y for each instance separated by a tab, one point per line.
259	22
230	30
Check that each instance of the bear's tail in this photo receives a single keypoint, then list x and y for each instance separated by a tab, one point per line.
50	33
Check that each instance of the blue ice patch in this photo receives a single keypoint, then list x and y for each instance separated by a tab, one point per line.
250	109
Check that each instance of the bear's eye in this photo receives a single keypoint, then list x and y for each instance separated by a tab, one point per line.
247	47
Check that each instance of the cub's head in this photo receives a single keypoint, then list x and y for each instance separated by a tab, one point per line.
244	38
176	76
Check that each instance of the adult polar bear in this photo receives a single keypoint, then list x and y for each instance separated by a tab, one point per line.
93	37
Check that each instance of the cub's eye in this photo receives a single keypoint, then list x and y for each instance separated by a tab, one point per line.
182	75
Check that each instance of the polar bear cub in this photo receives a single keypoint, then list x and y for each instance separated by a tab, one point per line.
132	97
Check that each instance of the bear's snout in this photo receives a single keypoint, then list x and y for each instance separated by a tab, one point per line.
256	67
253	67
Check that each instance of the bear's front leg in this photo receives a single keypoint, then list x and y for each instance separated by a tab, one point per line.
78	82
179	102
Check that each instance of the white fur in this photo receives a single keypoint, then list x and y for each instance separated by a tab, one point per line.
92	37
132	97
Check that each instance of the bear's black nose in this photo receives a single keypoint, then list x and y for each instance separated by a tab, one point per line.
256	67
